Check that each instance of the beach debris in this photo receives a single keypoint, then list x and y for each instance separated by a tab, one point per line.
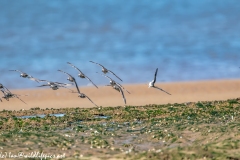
25	75
105	70
151	84
81	75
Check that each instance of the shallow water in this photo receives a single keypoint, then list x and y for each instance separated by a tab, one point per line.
186	40
42	115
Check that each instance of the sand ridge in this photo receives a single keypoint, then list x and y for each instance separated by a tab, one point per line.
140	95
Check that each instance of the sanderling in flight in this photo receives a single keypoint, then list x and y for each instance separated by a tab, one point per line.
25	75
2	87
112	82
71	79
82	95
151	84
8	94
105	70
119	89
55	85
81	75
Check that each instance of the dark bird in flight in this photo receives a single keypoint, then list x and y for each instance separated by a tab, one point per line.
8	94
25	75
105	70
54	85
71	79
80	74
112	83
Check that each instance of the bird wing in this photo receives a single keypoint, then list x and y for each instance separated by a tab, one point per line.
155	76
68	84
3	92
5	88
115	75
5	95
19	98
66	73
43	80
44	85
91	100
122	94
161	90
106	76
77	86
122	87
62	84
75	67
91	81
97	64
16	71
32	78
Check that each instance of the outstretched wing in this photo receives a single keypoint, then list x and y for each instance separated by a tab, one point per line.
19	98
122	87
41	80
66	73
124	99
73	80
106	76
91	101
16	71
62	84
75	67
115	75
161	89
33	79
44	85
155	76
77	86
91	81
5	95
5	89
97	64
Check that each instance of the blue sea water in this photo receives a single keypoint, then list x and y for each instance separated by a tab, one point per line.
185	39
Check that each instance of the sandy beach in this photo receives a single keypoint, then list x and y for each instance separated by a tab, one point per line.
140	95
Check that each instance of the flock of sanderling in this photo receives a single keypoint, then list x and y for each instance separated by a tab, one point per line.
7	94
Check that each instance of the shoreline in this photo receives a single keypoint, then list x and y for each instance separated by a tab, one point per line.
182	92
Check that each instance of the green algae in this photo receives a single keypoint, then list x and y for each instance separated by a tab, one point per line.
202	130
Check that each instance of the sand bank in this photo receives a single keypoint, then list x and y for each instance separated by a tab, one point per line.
140	95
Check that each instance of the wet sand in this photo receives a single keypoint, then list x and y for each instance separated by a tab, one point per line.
140	95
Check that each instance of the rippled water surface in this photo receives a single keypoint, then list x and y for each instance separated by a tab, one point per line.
186	40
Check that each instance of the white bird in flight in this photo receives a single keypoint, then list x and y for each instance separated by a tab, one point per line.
151	84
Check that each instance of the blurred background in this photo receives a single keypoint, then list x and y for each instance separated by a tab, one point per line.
186	40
